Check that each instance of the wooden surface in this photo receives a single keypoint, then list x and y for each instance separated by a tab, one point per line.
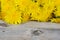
27	31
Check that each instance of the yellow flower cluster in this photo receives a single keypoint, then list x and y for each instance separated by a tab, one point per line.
21	11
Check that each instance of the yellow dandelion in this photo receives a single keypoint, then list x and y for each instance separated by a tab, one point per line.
13	18
56	20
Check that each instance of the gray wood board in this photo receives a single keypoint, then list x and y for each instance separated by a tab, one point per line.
46	31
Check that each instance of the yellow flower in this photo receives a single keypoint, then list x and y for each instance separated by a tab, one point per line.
25	17
13	18
56	20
